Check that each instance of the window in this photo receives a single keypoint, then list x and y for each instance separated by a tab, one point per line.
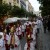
17	1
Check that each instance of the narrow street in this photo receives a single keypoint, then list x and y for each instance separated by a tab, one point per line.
23	41
44	41
28	18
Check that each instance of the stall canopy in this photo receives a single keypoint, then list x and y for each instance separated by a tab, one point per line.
14	19
11	20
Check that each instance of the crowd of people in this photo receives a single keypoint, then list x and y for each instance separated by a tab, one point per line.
46	23
10	36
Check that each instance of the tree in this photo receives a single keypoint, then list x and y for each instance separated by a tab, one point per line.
4	9
16	11
45	7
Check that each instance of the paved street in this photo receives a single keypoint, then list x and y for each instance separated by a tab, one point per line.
29	16
40	38
43	40
46	41
23	41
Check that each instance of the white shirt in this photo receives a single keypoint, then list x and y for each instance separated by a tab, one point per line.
38	23
18	31
1	42
35	24
7	38
30	22
35	28
23	28
17	41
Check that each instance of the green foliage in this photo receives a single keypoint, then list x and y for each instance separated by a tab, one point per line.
45	7
16	11
6	9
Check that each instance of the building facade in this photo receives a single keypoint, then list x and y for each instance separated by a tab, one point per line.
27	4
23	4
12	2
30	8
